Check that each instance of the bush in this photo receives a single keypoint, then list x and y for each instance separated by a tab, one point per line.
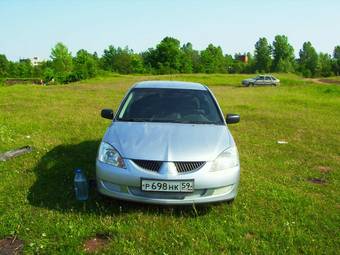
48	75
306	73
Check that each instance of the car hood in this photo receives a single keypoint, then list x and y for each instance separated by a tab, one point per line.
168	141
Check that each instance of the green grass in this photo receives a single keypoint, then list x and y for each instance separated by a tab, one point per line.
277	211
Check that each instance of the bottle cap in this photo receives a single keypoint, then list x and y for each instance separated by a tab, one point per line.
78	171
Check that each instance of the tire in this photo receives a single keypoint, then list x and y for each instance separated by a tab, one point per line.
251	84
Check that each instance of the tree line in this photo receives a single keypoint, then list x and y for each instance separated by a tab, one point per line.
170	57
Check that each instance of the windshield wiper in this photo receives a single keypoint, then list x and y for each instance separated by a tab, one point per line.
187	121
203	122
169	121
134	120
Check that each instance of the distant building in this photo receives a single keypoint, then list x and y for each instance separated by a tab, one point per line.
243	58
35	61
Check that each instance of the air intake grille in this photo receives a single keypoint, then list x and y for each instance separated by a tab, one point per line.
183	167
149	164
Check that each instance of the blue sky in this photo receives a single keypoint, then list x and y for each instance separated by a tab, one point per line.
32	28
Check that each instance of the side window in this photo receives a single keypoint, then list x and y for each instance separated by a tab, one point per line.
268	78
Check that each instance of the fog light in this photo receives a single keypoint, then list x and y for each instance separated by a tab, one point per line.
223	190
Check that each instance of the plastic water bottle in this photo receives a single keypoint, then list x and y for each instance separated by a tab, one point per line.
81	186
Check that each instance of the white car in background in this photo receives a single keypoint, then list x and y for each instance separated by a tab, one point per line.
261	80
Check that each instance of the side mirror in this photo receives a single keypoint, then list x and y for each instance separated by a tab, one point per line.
232	118
107	114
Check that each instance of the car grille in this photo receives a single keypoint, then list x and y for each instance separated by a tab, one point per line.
183	167
149	164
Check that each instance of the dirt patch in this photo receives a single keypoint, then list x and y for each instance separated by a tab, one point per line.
324	81
97	243
329	81
11	246
249	236
324	169
316	181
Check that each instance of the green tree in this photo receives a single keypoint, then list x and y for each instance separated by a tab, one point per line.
137	63
47	74
228	63
190	59
283	55
336	60
123	60
61	62
168	55
262	55
84	65
308	60
212	60
4	66
149	60
186	60
118	60
24	68
325	64
13	69
336	52
196	61
107	60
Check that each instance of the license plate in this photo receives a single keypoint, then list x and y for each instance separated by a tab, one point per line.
167	185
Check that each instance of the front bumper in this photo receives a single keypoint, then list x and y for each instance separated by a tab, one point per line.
125	184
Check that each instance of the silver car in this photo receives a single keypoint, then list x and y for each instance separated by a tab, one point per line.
168	143
261	80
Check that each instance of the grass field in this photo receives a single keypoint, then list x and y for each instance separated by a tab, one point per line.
289	195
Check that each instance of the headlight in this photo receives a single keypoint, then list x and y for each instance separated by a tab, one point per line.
109	155
227	159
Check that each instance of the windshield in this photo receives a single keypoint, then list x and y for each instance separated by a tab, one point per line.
170	105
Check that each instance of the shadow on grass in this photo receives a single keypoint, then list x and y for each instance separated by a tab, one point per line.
53	188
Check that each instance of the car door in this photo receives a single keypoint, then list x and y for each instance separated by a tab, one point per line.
259	80
268	80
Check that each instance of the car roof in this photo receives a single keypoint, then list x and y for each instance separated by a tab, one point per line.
170	85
